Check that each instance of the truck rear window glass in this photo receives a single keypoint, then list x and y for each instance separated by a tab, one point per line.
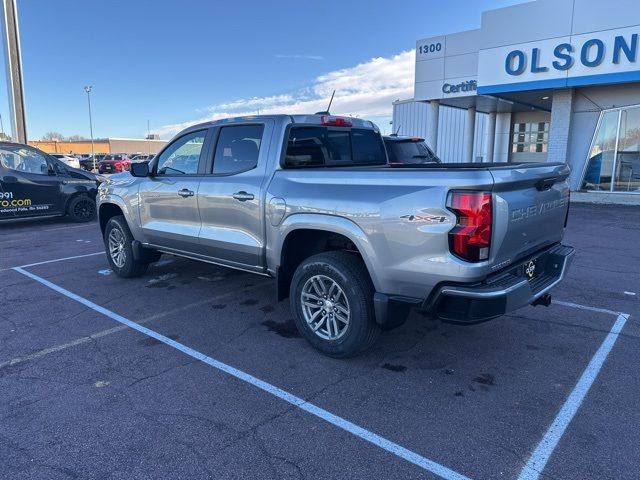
322	146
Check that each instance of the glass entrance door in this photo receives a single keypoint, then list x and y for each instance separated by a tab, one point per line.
627	165
613	164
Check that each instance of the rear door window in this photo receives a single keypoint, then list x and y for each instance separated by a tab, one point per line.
237	149
315	146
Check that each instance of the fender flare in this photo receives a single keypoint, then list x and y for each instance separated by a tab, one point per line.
114	200
333	224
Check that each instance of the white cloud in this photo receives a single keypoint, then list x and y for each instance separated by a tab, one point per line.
366	90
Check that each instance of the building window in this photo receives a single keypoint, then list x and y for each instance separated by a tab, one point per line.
531	137
613	164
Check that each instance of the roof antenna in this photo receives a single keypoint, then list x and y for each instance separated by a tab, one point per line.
397	131
326	112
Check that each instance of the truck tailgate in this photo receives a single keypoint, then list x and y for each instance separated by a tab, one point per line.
531	205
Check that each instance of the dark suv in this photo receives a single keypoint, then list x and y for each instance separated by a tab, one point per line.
408	151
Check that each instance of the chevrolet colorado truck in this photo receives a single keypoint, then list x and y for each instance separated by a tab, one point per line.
354	242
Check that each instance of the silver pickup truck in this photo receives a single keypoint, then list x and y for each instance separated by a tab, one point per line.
354	242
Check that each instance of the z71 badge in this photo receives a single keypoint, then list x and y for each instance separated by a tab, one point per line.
425	218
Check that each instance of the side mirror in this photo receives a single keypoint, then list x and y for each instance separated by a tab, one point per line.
49	169
139	169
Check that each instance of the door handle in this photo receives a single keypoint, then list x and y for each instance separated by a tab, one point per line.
185	192
243	196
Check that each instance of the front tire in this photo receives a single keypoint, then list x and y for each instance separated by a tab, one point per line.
82	209
117	241
331	298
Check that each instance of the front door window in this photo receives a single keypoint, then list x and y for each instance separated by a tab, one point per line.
183	155
24	160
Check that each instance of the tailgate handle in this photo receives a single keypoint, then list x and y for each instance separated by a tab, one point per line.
545	183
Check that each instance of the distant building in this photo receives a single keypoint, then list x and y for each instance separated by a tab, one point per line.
101	145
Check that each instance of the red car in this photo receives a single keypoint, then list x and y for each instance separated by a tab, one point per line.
114	163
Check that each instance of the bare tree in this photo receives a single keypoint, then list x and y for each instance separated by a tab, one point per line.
76	138
53	136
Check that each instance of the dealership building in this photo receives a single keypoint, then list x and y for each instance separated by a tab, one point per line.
548	80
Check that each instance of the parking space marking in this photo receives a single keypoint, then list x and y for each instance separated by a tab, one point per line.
59	260
549	442
586	307
120	328
360	432
50	229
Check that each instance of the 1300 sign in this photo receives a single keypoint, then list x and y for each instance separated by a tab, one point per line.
430	48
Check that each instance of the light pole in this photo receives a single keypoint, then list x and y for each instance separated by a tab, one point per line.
15	85
87	89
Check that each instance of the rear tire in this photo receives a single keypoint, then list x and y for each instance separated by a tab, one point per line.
332	301
117	242
82	209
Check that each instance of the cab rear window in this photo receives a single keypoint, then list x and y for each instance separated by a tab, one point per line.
314	146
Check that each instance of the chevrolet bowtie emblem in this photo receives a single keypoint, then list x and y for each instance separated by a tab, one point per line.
530	269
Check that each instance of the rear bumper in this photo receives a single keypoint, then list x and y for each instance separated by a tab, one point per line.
503	292
500	293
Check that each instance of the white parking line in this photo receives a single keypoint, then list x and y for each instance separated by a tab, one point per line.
120	328
59	260
549	442
366	435
585	307
38	232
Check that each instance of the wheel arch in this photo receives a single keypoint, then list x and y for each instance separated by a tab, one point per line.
107	211
304	235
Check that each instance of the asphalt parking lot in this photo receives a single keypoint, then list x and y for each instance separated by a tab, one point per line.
194	371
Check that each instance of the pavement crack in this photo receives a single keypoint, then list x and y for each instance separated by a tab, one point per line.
272	456
162	372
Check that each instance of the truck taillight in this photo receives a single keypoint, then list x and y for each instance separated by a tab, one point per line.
470	239
118	165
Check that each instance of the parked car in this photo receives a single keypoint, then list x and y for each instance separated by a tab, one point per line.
409	151
114	163
142	158
68	159
33	183
89	163
312	201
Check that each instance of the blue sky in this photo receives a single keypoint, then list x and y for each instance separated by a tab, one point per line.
176	62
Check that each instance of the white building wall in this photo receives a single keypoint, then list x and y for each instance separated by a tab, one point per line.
411	118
